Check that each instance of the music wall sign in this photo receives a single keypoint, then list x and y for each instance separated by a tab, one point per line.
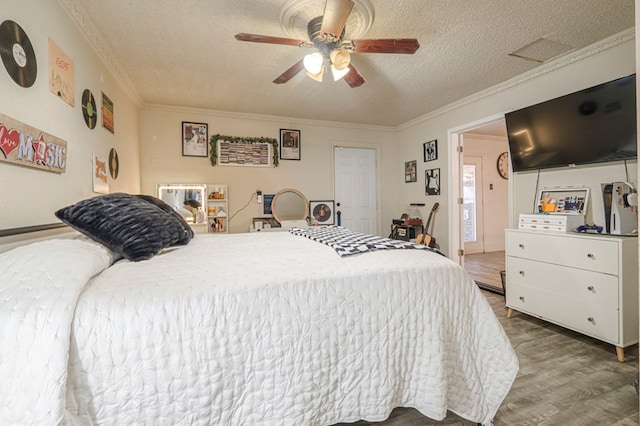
27	146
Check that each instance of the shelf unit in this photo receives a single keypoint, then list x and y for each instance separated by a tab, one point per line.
217	209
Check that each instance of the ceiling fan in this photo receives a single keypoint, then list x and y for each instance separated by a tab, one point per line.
326	34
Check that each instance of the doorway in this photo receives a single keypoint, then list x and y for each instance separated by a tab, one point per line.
472	204
356	189
480	200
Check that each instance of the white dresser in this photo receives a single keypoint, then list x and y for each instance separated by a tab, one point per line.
587	283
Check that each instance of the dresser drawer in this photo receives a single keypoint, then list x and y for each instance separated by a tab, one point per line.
593	320
542	227
583	286
592	254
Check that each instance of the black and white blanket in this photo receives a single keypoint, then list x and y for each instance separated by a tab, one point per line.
347	243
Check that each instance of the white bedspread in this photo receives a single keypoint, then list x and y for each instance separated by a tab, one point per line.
39	286
275	329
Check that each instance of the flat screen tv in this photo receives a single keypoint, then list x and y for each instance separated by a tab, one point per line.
594	125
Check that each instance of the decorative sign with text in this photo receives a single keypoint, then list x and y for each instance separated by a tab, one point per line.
27	146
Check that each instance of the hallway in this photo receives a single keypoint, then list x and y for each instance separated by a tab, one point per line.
485	268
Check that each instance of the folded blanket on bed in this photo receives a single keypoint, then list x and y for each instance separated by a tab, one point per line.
347	243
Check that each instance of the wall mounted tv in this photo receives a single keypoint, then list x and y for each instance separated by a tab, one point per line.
594	125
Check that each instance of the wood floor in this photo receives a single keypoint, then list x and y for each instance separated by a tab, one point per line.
565	379
485	268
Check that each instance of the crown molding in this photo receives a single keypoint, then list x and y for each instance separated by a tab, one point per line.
260	117
563	61
78	15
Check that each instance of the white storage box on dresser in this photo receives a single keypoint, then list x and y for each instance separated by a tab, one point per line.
587	283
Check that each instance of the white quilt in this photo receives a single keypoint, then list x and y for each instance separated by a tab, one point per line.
271	329
39	286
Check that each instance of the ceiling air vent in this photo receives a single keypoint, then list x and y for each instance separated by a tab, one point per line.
541	50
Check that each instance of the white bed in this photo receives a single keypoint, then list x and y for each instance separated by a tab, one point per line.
243	329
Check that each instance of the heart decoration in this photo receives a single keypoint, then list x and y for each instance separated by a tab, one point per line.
9	140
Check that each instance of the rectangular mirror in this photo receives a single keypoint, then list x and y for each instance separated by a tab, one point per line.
187	199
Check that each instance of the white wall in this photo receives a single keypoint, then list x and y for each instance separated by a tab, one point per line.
592	66
30	196
162	160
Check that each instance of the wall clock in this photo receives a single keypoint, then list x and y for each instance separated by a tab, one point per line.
503	165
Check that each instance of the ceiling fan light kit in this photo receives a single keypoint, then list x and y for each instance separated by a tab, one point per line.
326	34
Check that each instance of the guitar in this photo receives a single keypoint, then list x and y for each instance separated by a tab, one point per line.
429	239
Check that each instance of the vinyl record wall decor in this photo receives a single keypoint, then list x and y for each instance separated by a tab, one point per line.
17	54
89	111
114	163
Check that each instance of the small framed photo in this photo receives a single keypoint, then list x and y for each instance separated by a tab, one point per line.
410	174
322	212
430	150
194	139
432	182
289	144
565	201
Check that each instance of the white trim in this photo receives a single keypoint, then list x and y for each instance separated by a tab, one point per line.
454	180
568	59
261	117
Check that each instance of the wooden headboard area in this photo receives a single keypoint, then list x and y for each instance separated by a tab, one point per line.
14	237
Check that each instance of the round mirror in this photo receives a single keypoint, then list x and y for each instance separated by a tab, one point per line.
289	204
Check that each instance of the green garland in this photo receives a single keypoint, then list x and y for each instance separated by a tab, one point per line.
213	145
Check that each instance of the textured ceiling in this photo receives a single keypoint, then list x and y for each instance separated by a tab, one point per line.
185	54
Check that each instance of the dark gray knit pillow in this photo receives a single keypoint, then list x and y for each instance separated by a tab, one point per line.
126	224
167	208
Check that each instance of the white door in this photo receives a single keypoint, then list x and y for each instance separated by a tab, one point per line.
472	210
355	189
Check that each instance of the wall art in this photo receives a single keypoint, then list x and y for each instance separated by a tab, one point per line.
321	212
430	150
194	139
410	172
289	144
240	151
100	183
432	182
27	146
107	114
61	74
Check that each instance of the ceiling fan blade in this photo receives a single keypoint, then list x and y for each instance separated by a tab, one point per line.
353	77
385	45
335	17
256	38
290	73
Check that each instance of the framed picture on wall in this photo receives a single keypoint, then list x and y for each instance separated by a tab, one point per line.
289	144
410	171
430	150
321	212
194	139
432	182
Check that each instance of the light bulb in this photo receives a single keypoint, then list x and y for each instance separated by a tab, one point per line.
340	59
317	77
313	62
338	74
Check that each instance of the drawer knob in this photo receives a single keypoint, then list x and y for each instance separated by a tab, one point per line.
590	256
521	246
590	319
521	273
590	288
521	298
